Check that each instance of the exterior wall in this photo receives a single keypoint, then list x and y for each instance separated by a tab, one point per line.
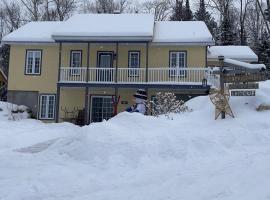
70	98
27	98
158	55
44	83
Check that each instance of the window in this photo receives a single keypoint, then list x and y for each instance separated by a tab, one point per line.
33	62
76	61
102	108
133	63
47	106
177	61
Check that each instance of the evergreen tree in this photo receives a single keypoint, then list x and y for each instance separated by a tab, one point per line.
188	16
227	35
264	49
203	15
177	13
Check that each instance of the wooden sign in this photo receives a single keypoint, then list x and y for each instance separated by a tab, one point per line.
239	93
244	86
245	78
124	102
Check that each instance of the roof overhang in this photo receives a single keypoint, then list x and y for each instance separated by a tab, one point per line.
182	43
102	38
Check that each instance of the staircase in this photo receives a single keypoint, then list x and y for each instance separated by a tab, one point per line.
3	93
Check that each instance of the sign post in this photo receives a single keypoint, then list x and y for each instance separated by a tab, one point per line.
221	64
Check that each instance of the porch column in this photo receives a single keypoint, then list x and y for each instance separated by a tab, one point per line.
58	87
86	106
147	62
116	72
116	62
147	66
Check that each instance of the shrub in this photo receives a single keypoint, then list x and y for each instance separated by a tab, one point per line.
166	104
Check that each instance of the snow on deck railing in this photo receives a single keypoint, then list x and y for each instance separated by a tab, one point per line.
134	75
244	64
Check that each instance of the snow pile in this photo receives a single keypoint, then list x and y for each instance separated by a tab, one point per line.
241	53
139	157
14	112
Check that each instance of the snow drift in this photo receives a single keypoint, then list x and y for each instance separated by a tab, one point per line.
141	157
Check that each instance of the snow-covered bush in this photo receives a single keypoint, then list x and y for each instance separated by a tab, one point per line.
16	112
166	104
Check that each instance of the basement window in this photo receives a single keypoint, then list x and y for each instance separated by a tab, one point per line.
47	106
33	62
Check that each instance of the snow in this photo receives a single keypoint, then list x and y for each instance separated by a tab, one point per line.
182	32
244	64
33	32
240	53
98	26
139	157
113	27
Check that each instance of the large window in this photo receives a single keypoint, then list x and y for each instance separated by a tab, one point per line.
177	61
76	61
47	106
133	63
102	108
33	62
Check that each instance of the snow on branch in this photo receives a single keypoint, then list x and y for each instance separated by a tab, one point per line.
167	104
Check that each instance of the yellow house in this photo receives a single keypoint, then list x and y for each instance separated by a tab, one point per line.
77	69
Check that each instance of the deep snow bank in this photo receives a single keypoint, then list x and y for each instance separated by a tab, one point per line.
140	157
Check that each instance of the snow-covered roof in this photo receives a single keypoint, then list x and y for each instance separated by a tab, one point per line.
106	27
182	32
241	53
113	27
33	32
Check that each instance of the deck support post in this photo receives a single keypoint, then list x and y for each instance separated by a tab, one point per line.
221	66
116	72
147	66
86	97
58	87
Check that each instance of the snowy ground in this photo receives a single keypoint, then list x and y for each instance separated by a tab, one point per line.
138	157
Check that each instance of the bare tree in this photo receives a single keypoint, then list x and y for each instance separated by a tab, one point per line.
160	8
64	8
33	8
11	16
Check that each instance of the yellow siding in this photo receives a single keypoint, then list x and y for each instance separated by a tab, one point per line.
44	83
74	98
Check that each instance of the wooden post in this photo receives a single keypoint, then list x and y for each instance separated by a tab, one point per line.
86	99
147	62
58	87
221	67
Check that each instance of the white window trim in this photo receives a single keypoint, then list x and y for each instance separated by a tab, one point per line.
134	72
71	59
179	73
33	63
47	106
75	71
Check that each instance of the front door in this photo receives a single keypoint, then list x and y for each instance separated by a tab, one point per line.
101	108
105	63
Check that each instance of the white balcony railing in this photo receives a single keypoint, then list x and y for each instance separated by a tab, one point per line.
134	76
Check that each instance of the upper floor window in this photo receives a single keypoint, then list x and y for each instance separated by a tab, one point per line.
47	106
177	61
134	63
76	58
33	62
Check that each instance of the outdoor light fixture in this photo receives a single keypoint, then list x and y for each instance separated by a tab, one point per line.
204	82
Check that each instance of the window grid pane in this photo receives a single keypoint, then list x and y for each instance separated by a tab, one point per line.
33	62
47	106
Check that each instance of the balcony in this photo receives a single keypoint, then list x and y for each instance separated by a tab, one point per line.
178	76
